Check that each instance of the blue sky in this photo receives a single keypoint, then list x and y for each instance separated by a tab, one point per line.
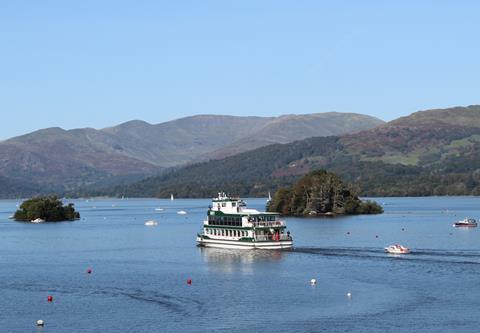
99	63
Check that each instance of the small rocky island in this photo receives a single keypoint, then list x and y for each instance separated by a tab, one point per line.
45	209
321	193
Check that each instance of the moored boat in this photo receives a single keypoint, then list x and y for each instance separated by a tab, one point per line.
397	249
230	224
37	220
466	222
151	223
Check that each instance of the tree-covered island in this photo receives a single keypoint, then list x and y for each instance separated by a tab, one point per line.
49	209
321	193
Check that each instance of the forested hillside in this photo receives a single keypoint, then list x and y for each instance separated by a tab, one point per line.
432	153
54	160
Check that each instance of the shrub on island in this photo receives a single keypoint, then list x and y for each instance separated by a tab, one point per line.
321	193
49	209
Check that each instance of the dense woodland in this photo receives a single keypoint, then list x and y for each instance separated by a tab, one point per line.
50	209
321	193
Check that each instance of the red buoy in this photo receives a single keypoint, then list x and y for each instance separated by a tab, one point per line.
50	298
89	271
189	281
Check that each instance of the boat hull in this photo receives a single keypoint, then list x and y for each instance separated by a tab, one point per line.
234	244
459	225
397	252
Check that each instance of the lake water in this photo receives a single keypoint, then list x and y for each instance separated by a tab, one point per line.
138	283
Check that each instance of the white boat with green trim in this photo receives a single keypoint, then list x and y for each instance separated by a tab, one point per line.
230	224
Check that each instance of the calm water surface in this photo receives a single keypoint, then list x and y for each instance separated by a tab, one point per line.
139	274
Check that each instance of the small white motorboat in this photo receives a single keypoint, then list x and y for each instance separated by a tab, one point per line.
151	223
397	249
181	212
37	220
159	209
466	222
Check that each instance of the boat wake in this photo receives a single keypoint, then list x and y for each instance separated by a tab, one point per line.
177	304
429	255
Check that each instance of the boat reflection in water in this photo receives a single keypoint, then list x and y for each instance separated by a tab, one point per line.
235	260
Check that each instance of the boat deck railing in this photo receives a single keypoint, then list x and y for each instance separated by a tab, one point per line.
272	239
268	224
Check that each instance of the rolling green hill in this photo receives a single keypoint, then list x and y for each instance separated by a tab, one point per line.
54	160
434	152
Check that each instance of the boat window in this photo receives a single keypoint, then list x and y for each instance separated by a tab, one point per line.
234	204
223	232
224	204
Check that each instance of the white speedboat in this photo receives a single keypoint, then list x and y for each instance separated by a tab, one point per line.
182	212
151	223
466	222
159	209
229	224
397	249
37	220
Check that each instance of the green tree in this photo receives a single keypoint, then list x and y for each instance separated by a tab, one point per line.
46	208
319	193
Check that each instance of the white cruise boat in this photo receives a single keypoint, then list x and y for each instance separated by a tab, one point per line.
397	249
230	224
466	222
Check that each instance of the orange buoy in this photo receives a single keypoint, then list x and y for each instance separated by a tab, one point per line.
189	281
89	271
50	298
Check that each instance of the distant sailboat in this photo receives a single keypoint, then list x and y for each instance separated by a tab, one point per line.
171	196
269	197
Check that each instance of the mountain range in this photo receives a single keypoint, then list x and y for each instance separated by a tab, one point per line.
433	152
55	160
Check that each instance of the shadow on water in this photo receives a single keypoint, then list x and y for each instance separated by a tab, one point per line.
241	256
242	261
